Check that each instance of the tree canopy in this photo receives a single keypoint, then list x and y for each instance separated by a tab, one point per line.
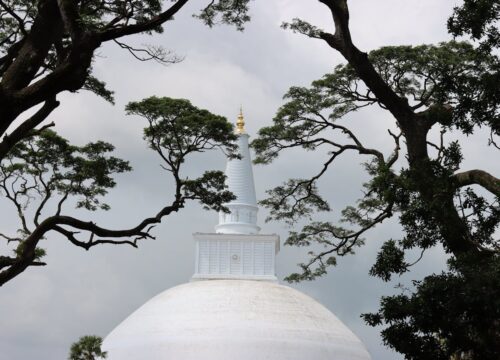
87	348
48	47
43	174
452	86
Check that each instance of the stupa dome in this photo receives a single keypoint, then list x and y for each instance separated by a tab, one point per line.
233	319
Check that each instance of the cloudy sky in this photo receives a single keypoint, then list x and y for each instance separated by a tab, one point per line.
45	309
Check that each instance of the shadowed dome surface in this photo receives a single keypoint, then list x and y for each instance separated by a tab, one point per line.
233	319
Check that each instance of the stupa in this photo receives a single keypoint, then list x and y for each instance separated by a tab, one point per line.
234	308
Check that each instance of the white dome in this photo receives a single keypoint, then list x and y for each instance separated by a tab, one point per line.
233	320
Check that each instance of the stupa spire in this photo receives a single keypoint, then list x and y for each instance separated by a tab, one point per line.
236	250
242	218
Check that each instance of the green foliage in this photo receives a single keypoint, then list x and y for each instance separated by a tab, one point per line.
46	171
177	129
46	164
98	87
231	12
87	348
311	120
454	74
435	78
334	240
302	27
209	189
447	314
95	17
305	201
300	122
390	260
39	252
95	14
478	19
455	86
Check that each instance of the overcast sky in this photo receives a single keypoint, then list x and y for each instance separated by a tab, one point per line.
45	309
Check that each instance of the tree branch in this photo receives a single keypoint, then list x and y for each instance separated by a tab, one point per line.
478	177
54	223
117	32
26	128
15	16
70	18
157	54
342	42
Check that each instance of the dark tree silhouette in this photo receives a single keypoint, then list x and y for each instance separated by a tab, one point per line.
47	47
449	86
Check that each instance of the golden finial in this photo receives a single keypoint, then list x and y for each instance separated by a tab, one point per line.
240	123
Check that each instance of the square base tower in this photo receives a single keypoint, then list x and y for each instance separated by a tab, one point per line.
235	256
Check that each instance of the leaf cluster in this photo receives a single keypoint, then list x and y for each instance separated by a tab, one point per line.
104	21
44	170
296	199
436	79
231	12
209	189
87	348
479	20
46	164
448	314
451	84
177	129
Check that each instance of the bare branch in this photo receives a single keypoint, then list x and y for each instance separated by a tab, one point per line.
6	261
70	235
10	238
157	54
395	155
55	223
491	140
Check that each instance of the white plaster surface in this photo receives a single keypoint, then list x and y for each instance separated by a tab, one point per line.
233	319
235	256
242	218
240	175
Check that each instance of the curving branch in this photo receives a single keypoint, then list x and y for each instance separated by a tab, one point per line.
48	167
338	241
342	42
491	140
478	177
156	53
26	128
26	59
27	256
147	25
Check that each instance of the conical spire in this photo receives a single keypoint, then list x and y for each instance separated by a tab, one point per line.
243	216
237	250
